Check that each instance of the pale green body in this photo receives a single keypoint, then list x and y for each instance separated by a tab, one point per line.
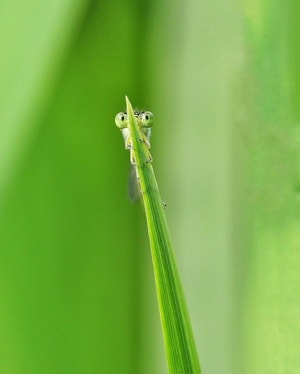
144	120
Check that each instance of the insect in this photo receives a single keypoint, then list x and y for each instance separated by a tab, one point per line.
145	121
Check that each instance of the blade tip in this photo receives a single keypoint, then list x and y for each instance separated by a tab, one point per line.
128	105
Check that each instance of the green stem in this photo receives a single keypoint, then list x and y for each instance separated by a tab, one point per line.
178	337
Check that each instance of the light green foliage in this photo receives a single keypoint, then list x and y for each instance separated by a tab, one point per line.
179	341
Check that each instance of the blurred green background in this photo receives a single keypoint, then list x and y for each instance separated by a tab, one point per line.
76	286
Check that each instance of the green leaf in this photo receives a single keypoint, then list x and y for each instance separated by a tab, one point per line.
178	337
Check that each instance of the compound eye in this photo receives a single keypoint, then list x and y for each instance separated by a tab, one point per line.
146	119
121	120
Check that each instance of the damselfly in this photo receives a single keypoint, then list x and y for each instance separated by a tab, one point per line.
144	121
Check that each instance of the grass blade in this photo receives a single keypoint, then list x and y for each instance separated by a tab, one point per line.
178	337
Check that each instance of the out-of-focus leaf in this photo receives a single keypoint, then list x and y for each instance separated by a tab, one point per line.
34	39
